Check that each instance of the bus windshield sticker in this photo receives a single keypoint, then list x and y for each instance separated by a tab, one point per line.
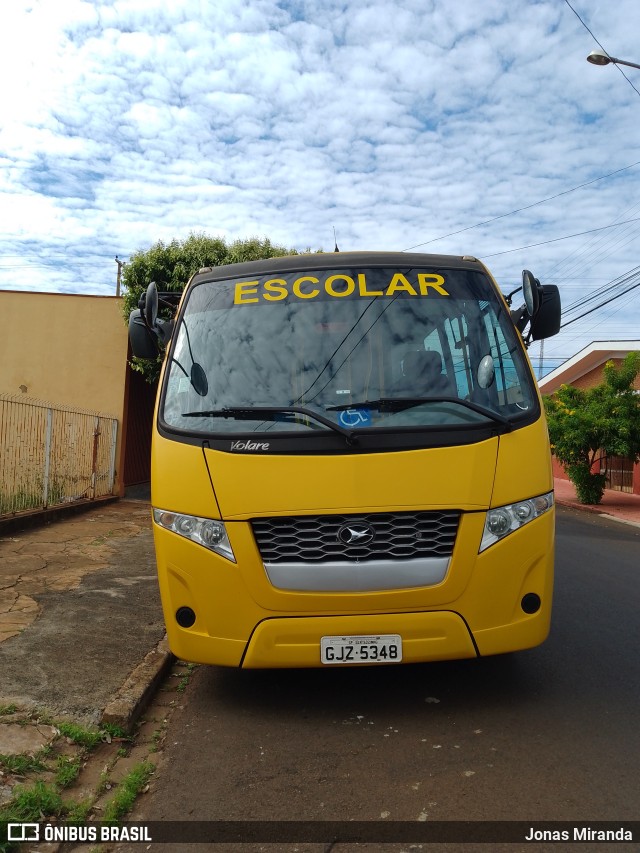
355	417
339	285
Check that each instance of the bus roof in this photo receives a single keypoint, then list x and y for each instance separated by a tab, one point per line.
337	260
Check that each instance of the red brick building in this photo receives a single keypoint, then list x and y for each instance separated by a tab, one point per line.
584	370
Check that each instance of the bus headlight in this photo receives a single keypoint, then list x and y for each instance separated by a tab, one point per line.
205	531
503	520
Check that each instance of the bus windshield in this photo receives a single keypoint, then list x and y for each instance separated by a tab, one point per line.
366	349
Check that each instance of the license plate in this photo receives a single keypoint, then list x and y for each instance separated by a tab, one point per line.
383	648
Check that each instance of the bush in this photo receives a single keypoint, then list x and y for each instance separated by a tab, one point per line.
589	486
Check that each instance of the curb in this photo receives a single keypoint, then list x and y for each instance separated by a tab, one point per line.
576	505
135	694
596	510
621	520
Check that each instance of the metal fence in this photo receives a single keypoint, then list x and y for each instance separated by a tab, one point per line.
52	455
619	473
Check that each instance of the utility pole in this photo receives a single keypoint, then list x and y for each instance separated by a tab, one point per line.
121	264
541	362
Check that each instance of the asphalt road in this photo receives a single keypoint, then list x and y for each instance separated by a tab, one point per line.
549	734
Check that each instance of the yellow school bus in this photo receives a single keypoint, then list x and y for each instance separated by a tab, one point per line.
350	462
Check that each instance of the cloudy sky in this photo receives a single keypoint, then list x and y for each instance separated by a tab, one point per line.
454	126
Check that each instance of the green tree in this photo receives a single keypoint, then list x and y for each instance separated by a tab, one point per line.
171	265
595	423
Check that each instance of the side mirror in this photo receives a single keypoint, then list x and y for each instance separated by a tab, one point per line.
147	331
143	343
546	322
531	292
151	305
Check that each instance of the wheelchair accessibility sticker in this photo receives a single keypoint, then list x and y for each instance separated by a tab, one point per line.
355	418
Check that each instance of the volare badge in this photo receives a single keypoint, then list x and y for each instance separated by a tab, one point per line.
250	445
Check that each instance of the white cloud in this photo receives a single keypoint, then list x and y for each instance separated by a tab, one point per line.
129	122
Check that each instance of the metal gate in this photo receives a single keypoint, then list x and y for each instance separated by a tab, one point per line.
619	473
52	455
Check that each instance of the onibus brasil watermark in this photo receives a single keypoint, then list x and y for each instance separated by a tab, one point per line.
80	833
353	832
579	833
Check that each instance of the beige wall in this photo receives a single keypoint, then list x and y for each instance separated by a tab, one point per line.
66	349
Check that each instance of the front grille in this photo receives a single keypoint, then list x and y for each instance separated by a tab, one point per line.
396	536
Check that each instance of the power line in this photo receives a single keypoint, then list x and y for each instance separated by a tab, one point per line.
600	305
599	248
558	239
621	281
526	207
601	46
631	276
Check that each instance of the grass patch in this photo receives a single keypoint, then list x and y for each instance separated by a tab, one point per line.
67	770
87	738
30	804
79	812
32	801
127	792
31	497
110	731
20	765
156	739
184	681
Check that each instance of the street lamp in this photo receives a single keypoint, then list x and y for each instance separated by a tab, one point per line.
596	57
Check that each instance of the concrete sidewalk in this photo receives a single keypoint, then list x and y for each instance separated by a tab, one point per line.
81	627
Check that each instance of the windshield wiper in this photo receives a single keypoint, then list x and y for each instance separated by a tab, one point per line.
399	404
249	413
